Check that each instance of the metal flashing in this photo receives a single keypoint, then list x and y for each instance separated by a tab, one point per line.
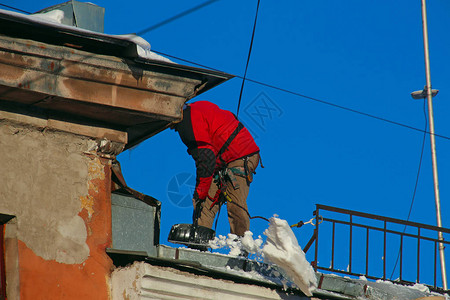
133	224
80	14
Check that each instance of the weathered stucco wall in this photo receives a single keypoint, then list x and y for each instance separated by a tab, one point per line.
59	190
44	177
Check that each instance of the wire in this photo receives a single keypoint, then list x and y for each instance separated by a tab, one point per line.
417	181
182	14
248	59
255	81
192	62
306	97
18	9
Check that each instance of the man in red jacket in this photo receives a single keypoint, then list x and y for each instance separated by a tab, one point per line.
226	157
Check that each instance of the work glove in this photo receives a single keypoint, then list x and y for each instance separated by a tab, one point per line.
197	208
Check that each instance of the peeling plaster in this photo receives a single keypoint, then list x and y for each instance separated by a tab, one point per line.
96	171
45	183
125	282
87	203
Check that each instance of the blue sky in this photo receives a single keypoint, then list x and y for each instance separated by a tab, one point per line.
363	55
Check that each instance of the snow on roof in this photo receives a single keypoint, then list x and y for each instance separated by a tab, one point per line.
281	248
143	47
53	19
54	16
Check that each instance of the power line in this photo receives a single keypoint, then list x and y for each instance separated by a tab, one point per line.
256	81
307	97
193	63
248	59
182	14
18	9
417	181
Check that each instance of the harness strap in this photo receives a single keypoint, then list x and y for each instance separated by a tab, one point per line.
227	143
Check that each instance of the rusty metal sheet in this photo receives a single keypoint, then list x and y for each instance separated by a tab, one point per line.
141	98
128	75
100	112
101	81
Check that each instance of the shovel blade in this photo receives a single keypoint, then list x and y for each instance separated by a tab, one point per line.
191	235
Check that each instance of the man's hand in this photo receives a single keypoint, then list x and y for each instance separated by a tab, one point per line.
197	208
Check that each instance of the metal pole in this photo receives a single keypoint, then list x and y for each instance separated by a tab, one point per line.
433	143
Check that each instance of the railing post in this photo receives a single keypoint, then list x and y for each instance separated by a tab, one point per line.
350	246
401	256
367	251
384	252
418	254
332	249
316	258
435	264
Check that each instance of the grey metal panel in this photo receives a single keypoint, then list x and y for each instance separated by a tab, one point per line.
133	224
88	16
216	261
68	14
80	14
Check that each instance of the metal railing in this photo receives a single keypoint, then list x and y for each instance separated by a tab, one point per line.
351	229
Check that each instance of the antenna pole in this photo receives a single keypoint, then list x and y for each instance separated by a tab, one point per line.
433	142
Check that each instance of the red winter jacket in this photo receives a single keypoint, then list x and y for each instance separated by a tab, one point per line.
204	130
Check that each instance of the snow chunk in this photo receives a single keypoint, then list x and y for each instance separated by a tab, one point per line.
55	16
251	245
143	47
384	281
282	248
237	244
231	241
420	287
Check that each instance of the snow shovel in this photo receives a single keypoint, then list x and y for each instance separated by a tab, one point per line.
192	235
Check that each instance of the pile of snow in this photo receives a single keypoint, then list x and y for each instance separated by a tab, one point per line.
416	286
143	47
282	249
55	16
420	287
237	244
251	245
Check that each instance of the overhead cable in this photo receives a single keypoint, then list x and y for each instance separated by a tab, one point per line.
248	58
256	81
417	181
306	97
182	14
18	9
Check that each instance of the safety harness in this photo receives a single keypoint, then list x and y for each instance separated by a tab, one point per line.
228	174
227	143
